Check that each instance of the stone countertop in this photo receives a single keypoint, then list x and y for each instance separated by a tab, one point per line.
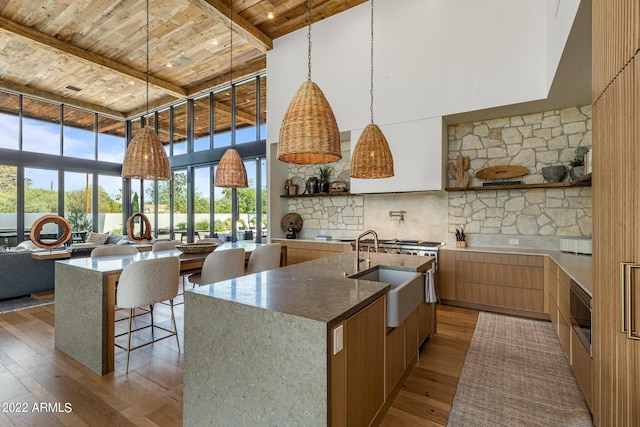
316	289
341	240
578	267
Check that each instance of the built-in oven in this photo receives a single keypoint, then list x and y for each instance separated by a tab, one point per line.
580	302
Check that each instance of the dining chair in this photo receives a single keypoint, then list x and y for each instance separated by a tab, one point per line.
145	283
114	250
264	257
164	245
220	265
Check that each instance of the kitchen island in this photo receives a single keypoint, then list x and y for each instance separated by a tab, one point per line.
282	347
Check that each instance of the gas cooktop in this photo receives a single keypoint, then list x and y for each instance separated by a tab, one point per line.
402	242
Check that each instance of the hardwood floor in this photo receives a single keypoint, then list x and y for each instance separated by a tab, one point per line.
426	396
32	371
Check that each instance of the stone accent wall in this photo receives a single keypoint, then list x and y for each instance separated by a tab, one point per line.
328	214
534	141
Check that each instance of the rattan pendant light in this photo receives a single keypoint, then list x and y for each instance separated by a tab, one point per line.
309	132
145	157
231	172
371	156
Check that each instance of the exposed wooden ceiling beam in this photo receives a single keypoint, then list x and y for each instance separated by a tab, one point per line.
240	73
45	95
51	43
220	11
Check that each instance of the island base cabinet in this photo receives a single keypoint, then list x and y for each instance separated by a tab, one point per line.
357	371
395	356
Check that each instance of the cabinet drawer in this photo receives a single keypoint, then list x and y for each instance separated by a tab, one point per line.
517	276
501	296
496	258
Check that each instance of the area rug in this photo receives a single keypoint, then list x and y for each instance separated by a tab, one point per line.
21	303
516	374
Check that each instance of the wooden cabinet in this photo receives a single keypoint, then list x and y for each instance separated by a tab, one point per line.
358	371
616	207
564	313
306	250
559	308
495	281
395	356
426	321
582	366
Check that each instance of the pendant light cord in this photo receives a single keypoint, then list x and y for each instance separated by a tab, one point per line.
371	90
231	42
309	37
146	116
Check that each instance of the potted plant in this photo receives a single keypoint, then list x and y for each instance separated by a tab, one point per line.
325	174
577	164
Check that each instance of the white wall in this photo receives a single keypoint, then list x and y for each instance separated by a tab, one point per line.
560	17
432	58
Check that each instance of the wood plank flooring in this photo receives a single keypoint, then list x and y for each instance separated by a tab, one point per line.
426	396
32	371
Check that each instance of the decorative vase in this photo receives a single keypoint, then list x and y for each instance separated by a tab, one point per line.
461	243
324	186
576	172
312	185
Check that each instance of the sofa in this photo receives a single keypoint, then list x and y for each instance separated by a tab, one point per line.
22	275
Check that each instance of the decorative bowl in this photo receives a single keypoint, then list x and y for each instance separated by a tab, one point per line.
554	173
197	248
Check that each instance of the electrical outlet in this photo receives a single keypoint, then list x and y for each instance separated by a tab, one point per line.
338	334
514	241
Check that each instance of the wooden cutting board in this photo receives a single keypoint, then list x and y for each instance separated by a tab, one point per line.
501	172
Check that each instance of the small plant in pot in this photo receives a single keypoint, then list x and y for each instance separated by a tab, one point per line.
325	174
577	164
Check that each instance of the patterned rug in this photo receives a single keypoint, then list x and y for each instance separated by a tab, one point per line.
516	374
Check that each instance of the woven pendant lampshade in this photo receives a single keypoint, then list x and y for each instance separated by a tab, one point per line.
146	158
231	172
309	132
371	156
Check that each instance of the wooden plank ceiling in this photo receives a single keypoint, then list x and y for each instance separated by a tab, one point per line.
91	54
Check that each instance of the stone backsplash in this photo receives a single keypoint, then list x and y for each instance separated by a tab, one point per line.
536	140
490	217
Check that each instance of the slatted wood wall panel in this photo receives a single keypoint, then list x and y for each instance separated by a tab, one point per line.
616	38
616	198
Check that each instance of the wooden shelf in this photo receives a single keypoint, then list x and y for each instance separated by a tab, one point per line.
585	181
342	194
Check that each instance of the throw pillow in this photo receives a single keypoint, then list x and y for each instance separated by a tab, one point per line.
97	238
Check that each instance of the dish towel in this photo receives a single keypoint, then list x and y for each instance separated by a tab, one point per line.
429	287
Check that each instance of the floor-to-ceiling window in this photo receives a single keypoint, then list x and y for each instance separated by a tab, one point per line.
110	205
59	159
78	201
40	197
